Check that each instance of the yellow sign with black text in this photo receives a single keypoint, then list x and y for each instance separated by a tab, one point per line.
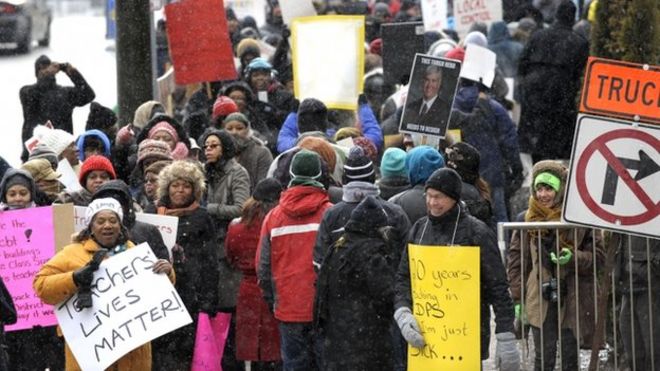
445	286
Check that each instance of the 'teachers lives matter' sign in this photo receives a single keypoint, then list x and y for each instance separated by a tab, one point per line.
614	176
131	306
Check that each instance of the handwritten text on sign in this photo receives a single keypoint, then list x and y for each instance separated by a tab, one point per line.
445	290
466	12
131	306
27	241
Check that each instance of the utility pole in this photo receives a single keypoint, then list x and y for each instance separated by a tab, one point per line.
134	66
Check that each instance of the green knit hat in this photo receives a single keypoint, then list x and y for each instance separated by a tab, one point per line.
305	169
548	179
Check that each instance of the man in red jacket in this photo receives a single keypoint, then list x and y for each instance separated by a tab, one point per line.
284	259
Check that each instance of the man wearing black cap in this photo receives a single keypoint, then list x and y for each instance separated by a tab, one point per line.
46	100
448	224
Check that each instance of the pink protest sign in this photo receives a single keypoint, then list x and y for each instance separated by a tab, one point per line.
27	241
210	341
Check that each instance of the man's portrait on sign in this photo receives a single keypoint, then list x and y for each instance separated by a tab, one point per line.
432	88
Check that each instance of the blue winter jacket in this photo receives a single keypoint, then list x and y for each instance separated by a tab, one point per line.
493	134
370	129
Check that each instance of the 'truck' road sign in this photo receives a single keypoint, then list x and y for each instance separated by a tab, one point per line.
614	179
622	89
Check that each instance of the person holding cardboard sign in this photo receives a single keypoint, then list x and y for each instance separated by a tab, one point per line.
448	224
72	270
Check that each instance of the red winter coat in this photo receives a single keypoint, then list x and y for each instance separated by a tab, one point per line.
284	259
257	334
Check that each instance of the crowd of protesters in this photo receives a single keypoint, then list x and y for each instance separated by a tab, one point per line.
303	239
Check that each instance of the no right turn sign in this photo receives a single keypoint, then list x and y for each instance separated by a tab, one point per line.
614	179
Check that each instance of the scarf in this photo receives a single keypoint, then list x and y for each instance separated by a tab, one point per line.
539	213
162	210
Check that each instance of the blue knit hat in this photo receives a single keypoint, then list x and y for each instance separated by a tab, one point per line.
421	162
393	163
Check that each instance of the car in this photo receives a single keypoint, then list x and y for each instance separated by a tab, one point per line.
22	21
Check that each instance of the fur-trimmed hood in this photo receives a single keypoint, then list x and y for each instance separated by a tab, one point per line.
556	168
185	170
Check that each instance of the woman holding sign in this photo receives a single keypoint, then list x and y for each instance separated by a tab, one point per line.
71	271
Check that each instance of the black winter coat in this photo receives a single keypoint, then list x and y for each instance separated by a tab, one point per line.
469	232
549	73
336	217
353	305
142	232
412	201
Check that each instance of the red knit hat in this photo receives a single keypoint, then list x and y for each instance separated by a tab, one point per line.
223	106
95	162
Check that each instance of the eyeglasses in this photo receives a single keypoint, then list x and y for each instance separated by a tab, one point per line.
210	146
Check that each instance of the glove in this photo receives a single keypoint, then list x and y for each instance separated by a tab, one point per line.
507	356
83	277
521	315
124	135
409	327
362	99
565	256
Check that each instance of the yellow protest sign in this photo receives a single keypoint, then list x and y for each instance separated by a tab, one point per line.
445	286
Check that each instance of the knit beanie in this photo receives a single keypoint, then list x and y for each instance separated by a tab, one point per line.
358	167
163	126
248	46
393	163
465	159
45	152
223	106
305	168
237	116
447	181
101	204
55	139
421	162
549	179
150	148
42	62
322	148
267	190
476	38
369	213
40	169
100	117
95	162
258	64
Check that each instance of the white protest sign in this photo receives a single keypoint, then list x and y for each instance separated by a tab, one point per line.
131	306
466	12
328	59
167	225
435	14
253	8
292	9
479	65
68	176
79	219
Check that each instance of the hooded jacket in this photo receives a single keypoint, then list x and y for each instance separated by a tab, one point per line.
525	266
10	173
469	231
93	133
228	187
284	256
507	51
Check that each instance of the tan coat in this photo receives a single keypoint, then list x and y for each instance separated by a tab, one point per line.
54	283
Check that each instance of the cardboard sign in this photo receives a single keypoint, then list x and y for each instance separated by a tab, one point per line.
334	75
200	46
167	225
466	12
434	13
479	65
622	89
401	41
292	9
433	84
27	241
614	176
445	286
131	306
